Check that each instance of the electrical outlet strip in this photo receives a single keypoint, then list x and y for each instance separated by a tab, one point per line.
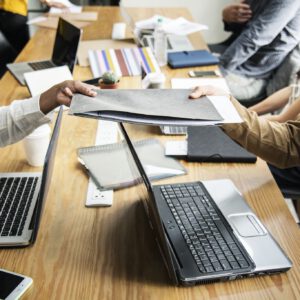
107	133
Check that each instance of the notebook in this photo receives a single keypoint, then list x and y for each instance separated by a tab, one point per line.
194	58
22	199
211	144
64	52
205	230
109	169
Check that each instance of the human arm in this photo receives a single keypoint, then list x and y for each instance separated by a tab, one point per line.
273	102
21	117
290	113
56	4
260	31
277	143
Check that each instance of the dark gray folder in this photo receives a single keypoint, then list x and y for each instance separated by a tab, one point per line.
211	144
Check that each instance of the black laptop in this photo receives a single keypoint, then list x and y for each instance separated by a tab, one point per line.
64	52
22	197
206	231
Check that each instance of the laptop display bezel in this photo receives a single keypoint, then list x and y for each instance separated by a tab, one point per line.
61	31
46	176
159	228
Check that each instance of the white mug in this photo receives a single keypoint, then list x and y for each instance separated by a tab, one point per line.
36	145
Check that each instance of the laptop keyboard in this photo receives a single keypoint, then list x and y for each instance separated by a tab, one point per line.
213	247
41	65
16	194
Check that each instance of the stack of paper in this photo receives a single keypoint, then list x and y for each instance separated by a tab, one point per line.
124	62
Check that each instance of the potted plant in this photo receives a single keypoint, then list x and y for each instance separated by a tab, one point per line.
109	80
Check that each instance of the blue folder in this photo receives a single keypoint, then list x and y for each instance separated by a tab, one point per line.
185	59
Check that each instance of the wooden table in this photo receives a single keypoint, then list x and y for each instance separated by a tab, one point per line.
110	253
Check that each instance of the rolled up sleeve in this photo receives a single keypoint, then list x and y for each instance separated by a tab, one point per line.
276	143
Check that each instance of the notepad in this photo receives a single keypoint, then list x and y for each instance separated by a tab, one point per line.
109	168
123	62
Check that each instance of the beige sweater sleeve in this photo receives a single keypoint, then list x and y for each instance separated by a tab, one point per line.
277	143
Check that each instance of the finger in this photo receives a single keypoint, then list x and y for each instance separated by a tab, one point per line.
197	92
85	89
244	6
68	92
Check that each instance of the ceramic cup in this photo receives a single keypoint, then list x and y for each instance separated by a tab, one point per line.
36	145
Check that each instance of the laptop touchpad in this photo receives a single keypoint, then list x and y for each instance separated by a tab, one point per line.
246	225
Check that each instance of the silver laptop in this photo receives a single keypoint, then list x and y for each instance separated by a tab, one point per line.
22	196
64	52
205	230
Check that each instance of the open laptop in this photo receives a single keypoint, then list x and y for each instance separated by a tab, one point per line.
22	197
64	52
205	230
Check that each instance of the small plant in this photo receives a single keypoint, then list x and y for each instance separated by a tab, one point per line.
109	80
110	77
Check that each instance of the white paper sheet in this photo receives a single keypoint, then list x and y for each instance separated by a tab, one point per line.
221	103
179	26
70	7
40	81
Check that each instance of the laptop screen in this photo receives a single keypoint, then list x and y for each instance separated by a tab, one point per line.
66	44
46	175
145	193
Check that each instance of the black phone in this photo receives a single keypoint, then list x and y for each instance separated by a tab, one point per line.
13	285
93	81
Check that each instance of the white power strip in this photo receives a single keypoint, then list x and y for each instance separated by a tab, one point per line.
107	133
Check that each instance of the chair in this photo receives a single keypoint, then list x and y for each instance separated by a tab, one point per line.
7	54
294	194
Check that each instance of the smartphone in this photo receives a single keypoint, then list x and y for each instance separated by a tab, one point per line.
13	285
204	74
93	81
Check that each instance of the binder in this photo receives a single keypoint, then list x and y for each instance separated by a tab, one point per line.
109	167
193	58
211	144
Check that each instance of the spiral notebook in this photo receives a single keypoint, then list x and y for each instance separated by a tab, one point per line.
109	168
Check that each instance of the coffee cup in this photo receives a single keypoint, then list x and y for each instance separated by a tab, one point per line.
156	80
36	145
118	31
153	81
